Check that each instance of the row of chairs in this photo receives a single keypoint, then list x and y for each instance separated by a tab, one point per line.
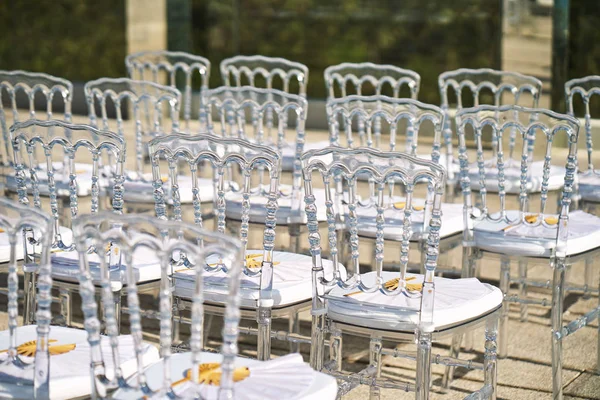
348	168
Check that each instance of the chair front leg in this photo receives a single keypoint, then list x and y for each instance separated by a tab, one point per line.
423	366
335	348
505	288
375	361
490	359
317	342
264	333
558	292
523	289
294	327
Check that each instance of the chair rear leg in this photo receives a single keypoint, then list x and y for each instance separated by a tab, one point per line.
454	352
375	361
505	288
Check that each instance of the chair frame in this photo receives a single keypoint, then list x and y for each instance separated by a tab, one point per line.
418	170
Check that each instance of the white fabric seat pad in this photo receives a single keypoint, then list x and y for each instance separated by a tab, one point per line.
512	176
322	386
258	212
452	220
457	301
66	234
583	236
589	186
70	372
61	180
292	281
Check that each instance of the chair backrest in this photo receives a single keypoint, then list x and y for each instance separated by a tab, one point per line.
586	88
175	68
148	103
170	242
365	118
370	77
385	170
276	72
220	154
261	116
25	226
528	123
71	138
32	86
478	82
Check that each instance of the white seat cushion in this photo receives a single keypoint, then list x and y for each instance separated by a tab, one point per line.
292	281
258	212
457	301
69	372
589	186
512	176
452	220
65	266
287	377
66	234
537	241
61	180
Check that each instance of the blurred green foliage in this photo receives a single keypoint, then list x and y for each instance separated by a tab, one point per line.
73	39
428	36
584	51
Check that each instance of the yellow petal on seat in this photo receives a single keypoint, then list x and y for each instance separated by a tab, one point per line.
164	180
210	374
401	204
2	230
551	220
28	349
392	284
532	219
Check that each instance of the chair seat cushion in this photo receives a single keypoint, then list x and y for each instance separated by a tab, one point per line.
69	372
537	241
512	174
292	281
66	234
258	212
589	186
287	377
452	220
61	180
457	301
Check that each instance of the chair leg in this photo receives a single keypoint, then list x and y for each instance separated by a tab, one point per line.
29	298
176	323
335	349
317	342
65	306
589	275
454	352
490	359
264	333
375	361
598	335
523	289
505	288
207	328
469	262
423	366
117	299
294	327
558	292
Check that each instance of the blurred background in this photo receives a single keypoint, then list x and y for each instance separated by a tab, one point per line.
82	40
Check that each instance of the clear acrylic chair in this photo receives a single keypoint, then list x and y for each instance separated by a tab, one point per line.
152	110
46	361
175	68
525	235
276	284
265	72
376	78
52	140
265	117
487	86
588	181
389	304
28	94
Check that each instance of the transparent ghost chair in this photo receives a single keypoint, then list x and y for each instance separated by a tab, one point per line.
52	140
276	284
152	110
178	69
472	87
244	113
368	78
45	361
27	94
392	124
389	304
588	180
556	240
267	72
